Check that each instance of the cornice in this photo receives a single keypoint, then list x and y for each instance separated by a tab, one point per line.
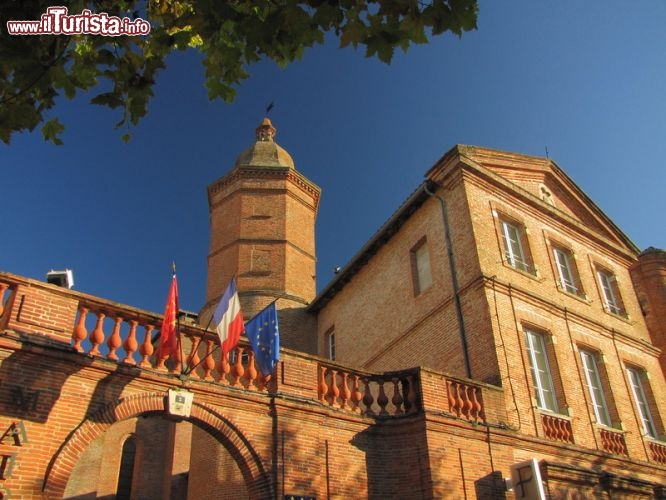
280	173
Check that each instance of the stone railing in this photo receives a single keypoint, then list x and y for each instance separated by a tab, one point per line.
389	394
613	441
557	428
658	451
465	400
123	336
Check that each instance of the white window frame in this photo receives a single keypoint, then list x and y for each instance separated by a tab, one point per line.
330	341
565	270
515	253
636	381
541	375
612	303
421	267
595	388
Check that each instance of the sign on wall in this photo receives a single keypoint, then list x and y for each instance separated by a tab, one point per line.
526	481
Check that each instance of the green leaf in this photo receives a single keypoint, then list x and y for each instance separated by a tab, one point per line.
51	130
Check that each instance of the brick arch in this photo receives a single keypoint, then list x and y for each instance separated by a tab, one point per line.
60	469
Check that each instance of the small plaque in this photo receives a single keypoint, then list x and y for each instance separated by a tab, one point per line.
180	402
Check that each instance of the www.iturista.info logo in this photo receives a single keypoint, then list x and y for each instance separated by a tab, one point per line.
55	21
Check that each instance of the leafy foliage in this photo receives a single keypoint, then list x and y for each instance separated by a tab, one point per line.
231	34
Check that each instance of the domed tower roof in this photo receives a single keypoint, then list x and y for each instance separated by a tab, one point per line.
265	152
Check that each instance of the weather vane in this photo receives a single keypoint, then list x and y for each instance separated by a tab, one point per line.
269	107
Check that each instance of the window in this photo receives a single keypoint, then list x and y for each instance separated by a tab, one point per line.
421	267
126	473
567	272
637	383
543	381
610	292
330	340
594	387
516	248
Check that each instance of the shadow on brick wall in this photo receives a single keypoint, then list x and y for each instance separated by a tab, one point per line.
31	383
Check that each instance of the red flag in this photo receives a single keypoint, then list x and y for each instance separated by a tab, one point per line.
168	333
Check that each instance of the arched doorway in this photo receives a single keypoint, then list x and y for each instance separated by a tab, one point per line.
205	456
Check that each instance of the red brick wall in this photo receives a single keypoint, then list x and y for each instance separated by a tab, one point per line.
262	232
649	277
44	309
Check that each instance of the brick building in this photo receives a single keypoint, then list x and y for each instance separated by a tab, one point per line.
498	317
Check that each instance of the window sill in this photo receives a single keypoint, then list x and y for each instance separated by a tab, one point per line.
621	316
581	297
563	416
534	275
610	428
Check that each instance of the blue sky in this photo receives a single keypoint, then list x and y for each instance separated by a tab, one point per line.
587	80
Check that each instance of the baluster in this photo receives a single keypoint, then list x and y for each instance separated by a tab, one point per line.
177	358
238	369
459	400
397	397
562	428
356	394
97	335
251	372
567	434
261	381
452	399
546	427
614	443
223	367
411	394
131	344
193	359
114	340
79	333
476	406
467	402
3	287
368	399
322	388
146	350
382	399
333	390
345	393
208	363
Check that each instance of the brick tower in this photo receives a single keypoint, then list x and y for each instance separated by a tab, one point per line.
262	217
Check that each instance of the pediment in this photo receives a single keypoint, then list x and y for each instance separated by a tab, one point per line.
544	179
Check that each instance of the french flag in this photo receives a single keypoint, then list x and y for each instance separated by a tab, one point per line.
228	318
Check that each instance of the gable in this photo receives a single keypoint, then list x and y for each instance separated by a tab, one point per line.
544	180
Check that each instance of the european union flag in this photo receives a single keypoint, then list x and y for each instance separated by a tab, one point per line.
264	335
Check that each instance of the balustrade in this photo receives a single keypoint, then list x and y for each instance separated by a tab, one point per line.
365	394
658	451
110	332
465	400
613	441
557	428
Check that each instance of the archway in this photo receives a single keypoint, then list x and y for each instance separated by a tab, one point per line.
257	479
